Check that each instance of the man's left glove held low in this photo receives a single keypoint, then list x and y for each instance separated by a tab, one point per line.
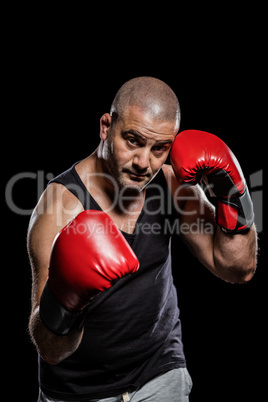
88	256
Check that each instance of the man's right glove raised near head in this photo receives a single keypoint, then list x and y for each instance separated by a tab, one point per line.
197	155
88	256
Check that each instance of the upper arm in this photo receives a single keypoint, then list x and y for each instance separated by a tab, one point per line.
55	208
196	218
198	226
230	257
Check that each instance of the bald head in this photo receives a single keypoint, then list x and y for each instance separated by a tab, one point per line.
153	96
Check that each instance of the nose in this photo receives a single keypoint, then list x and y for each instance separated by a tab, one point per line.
141	160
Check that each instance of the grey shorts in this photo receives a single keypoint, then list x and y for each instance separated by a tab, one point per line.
175	386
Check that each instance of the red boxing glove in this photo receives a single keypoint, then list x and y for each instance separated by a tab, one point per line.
197	155
88	256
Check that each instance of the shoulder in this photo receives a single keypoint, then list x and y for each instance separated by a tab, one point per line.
57	202
55	208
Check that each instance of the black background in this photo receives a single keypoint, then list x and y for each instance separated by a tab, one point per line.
61	73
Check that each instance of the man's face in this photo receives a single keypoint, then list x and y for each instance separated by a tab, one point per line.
136	147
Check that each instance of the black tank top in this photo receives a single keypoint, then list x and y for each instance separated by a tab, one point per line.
132	331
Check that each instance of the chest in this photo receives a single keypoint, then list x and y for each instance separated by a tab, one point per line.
125	222
124	214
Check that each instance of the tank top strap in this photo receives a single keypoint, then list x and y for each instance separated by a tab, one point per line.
72	181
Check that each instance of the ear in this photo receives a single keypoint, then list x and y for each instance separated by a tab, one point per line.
105	124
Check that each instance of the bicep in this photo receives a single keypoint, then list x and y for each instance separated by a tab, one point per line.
56	207
39	242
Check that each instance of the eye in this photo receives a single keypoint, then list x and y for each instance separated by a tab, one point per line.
160	149
132	141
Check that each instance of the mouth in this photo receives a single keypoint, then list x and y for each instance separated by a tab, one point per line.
136	176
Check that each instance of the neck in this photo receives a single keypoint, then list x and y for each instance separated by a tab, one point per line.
103	178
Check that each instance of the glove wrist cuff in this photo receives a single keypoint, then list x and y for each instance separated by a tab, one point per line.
235	214
56	317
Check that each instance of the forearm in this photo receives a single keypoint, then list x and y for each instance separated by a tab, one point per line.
235	256
52	348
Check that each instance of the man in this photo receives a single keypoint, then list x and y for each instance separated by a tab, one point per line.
104	315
